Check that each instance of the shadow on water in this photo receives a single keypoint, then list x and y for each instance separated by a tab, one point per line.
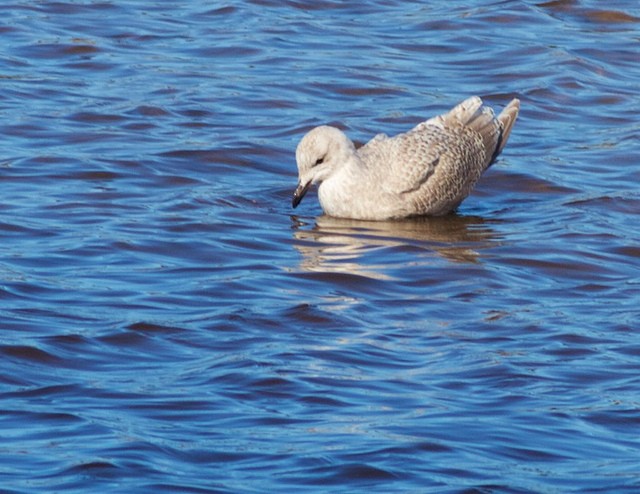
343	245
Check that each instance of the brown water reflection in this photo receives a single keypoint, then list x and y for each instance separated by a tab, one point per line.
339	245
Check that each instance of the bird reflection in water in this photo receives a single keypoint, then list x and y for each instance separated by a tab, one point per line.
337	245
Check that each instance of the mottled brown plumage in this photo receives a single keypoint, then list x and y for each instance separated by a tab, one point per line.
429	170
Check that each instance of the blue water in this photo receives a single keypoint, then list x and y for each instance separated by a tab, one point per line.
169	324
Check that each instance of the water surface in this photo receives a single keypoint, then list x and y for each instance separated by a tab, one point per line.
170	325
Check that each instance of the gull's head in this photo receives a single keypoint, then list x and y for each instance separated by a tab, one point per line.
320	153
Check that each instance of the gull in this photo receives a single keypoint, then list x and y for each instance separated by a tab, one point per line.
427	171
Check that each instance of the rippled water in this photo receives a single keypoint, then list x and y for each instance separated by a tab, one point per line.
169	324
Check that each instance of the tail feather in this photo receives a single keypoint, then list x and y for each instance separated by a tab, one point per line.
494	131
507	118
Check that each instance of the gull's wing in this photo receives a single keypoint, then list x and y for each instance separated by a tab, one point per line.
452	149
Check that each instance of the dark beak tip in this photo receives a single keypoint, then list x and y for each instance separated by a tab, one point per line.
299	194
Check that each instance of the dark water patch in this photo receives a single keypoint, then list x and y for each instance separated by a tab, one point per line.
168	487
207	156
354	473
222	11
630	251
48	51
46	391
615	204
29	353
78	48
151	111
66	8
94	118
93	469
612	16
144	327
233	52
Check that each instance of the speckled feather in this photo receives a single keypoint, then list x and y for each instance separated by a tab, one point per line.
429	170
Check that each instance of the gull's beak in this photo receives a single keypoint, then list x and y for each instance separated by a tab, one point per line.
301	190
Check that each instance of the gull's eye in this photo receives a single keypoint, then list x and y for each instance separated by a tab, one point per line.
319	161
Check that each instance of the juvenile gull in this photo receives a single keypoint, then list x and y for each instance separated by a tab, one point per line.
429	170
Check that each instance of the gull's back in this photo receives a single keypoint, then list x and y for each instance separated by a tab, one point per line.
432	168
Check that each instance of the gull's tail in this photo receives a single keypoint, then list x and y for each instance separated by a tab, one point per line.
507	118
494	131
